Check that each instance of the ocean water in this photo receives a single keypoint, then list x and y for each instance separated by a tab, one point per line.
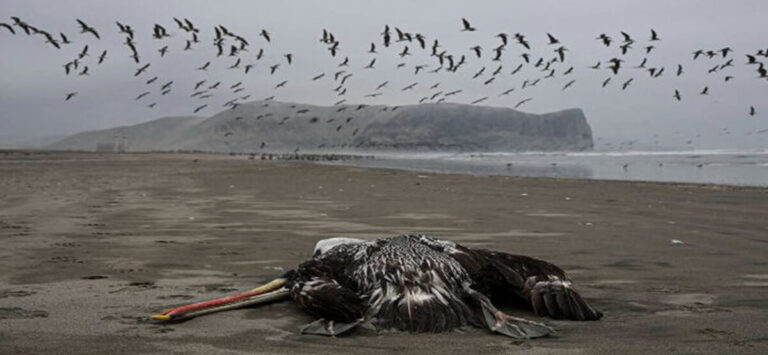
722	167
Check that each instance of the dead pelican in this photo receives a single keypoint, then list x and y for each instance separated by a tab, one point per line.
413	283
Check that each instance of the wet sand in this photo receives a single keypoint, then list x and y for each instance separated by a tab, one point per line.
92	244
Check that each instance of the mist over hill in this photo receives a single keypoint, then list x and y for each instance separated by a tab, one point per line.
273	126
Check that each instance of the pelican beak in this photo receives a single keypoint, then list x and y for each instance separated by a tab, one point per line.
272	291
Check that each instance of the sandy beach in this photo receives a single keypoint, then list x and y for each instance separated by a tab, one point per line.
92	244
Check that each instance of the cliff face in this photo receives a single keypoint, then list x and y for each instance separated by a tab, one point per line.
469	128
279	126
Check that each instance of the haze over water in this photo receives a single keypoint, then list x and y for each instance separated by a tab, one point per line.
722	167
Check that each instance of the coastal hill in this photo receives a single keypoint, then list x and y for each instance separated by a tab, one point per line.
273	126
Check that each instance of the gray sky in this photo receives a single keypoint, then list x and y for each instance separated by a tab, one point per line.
33	84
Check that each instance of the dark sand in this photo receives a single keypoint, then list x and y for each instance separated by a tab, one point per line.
93	244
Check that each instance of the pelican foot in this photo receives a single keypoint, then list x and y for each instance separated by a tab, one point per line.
328	327
514	327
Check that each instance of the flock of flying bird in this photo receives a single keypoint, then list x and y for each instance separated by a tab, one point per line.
234	48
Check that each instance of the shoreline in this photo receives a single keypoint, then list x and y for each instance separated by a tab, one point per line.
339	159
565	179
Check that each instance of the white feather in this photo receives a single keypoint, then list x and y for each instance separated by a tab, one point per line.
327	244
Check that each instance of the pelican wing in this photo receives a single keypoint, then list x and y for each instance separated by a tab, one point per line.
543	285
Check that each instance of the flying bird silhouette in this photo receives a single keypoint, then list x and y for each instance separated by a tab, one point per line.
8	27
522	41
504	38
411	86
466	25
627	37
561	53
265	34
626	84
523	102
615	65
50	39
84	28
507	92
552	39
141	69
605	39
654	36
102	57
478	50
159	32
83	53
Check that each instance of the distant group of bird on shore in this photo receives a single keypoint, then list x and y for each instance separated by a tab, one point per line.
235	49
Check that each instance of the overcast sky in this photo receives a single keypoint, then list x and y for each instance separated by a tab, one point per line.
33	83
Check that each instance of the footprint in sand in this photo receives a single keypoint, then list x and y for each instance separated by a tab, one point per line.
172	297
625	264
65	259
143	284
610	284
225	288
129	319
162	330
666	290
20	313
17	227
66	245
716	333
691	303
19	293
724	335
689	298
127	271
